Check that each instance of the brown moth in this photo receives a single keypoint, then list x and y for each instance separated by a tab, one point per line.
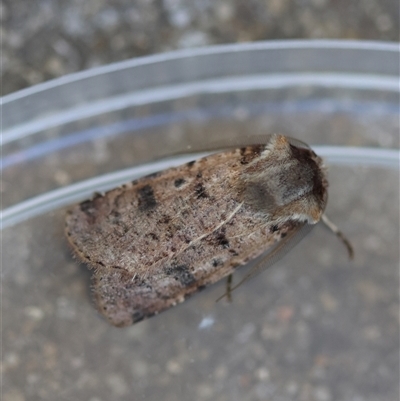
157	240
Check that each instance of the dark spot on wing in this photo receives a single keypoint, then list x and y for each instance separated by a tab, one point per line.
190	164
137	316
200	191
283	235
153	236
222	240
165	219
216	262
179	182
181	273
147	200
274	228
89	208
86	206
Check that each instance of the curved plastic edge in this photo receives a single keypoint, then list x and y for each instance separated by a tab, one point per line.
185	53
273	81
386	158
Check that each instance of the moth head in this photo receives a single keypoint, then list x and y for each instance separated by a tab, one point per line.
287	181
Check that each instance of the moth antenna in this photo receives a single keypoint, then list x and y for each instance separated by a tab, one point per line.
228	292
339	234
272	257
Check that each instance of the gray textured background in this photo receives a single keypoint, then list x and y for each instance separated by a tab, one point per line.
44	39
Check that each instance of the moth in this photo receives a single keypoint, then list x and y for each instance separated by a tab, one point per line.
157	240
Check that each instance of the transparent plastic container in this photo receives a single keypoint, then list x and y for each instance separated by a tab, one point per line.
315	326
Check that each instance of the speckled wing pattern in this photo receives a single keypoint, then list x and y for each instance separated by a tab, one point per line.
157	240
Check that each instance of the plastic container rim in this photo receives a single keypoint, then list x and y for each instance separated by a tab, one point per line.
201	51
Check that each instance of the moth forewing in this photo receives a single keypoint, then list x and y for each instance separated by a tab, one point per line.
159	239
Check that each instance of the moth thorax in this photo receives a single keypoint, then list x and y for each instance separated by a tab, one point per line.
294	180
292	185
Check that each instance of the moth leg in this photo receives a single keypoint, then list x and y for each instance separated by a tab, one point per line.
339	234
228	292
275	254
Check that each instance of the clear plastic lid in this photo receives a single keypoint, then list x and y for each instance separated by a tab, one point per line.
314	326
